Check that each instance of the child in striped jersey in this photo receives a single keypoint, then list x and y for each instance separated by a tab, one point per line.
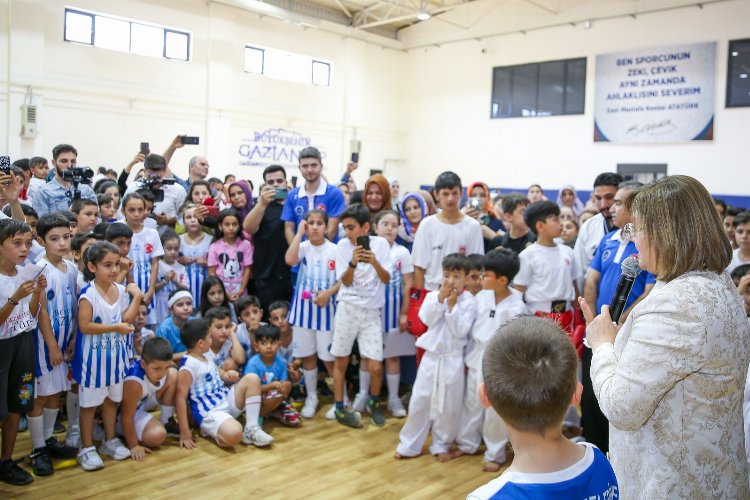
104	321
145	250
171	275
52	379
226	351
213	405
194	249
313	305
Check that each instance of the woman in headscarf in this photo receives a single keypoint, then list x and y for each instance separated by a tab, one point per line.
241	198
395	193
377	194
414	209
567	197
479	206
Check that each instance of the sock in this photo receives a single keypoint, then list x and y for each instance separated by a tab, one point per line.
252	411
36	430
393	379
50	416
71	403
364	382
373	397
167	412
311	382
339	405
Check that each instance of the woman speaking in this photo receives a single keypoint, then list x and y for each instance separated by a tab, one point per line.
671	380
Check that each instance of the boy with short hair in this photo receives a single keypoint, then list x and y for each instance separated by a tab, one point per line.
150	376
361	298
107	210
226	351
278	313
181	308
213	405
474	278
249	313
32	219
518	236
120	235
497	304
73	219
39	171
438	389
87	214
52	379
530	378
741	255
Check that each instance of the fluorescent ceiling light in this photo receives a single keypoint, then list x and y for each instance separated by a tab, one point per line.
423	15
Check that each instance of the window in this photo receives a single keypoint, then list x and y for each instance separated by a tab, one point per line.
289	66
539	89
125	35
738	74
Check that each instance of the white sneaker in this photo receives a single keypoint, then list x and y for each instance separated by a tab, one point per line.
360	401
98	433
331	413
115	449
396	407
89	459
73	438
311	405
256	436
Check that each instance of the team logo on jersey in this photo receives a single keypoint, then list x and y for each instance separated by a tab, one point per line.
209	378
98	320
606	254
567	262
462	250
50	295
299	210
149	248
398	265
492	313
321	206
331	264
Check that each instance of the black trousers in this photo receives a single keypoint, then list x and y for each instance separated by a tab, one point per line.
595	424
271	290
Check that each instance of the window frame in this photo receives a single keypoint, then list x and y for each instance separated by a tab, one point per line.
269	52
731	101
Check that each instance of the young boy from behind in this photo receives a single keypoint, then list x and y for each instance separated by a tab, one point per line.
120	235
87	214
214	406
530	378
181	308
151	376
497	304
271	368
439	387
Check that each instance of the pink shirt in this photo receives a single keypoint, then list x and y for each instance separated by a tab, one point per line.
230	261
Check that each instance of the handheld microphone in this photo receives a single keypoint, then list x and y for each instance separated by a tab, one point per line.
630	270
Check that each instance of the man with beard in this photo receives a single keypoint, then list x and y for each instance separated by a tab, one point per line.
57	195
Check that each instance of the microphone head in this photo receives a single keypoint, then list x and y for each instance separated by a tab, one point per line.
631	266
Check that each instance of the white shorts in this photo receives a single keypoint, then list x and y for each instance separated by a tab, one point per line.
398	344
91	398
306	342
213	420
363	325
140	419
53	382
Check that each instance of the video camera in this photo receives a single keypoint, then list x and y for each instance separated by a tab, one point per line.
77	176
154	182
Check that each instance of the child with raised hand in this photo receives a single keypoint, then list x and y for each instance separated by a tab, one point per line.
180	304
194	246
438	389
226	351
87	214
215	406
150	376
497	304
230	256
213	294
121	236
105	317
529	373
171	275
313	305
52	379
21	302
145	250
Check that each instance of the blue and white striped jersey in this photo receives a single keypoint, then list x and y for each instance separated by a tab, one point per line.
196	272
207	390
136	373
144	246
317	272
399	263
62	309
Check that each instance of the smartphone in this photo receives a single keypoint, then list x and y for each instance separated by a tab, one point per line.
280	194
294	181
144	148
475	203
5	164
189	139
213	211
355	157
364	242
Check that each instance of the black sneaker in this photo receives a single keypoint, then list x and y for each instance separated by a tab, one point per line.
59	427
60	450
172	428
348	417
11	473
377	416
40	462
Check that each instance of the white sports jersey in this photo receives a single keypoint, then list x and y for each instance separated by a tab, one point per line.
136	373
20	319
490	317
399	263
196	272
207	390
366	289
62	309
218	358
317	272
144	246
161	297
102	360
548	273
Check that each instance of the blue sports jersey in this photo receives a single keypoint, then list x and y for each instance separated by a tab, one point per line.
317	272
267	374
62	309
207	391
399	263
328	198
197	273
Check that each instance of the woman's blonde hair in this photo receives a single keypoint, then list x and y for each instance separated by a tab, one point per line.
678	217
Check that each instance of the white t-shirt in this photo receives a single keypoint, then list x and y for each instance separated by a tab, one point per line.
20	319
736	261
436	239
548	274
174	197
367	290
589	236
491	315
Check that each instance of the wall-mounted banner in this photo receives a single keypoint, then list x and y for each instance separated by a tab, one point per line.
662	94
273	146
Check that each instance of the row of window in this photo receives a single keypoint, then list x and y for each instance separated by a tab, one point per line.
125	35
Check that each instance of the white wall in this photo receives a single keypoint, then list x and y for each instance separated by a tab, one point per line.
448	90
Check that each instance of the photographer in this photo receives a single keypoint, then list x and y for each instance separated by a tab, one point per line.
169	196
58	194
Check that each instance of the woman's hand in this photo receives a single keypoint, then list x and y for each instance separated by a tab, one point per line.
599	329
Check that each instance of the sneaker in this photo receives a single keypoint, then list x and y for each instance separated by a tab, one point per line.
59	427
256	436
396	407
98	433
376	412
40	462
172	428
286	414
57	449
331	413
311	404
89	459
115	449
360	401
23	424
73	438
348	417
11	473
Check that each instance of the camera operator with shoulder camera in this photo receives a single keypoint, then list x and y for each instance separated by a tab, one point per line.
70	182
168	196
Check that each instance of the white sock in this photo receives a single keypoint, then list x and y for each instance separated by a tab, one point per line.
71	403
364	382
167	412
393	379
252	411
36	430
50	416
311	382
